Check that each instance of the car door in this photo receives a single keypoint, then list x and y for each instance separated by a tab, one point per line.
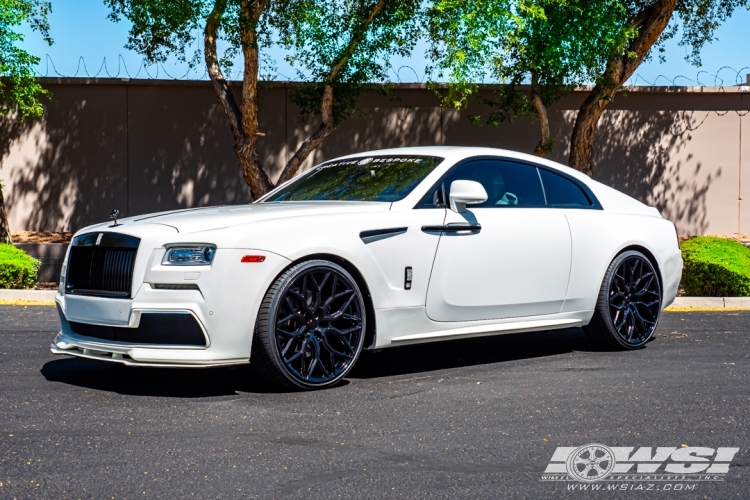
516	262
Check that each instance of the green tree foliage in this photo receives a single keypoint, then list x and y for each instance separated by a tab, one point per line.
466	36
19	90
339	46
651	23
555	45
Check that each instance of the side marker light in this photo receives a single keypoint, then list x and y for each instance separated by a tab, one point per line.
253	258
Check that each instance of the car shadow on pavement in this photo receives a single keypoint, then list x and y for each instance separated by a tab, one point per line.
214	382
444	355
159	382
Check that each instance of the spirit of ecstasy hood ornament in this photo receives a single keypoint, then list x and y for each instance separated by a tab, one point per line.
114	215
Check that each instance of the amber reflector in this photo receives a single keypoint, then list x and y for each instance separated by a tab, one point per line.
253	258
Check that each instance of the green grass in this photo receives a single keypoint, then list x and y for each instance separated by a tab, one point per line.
715	267
17	269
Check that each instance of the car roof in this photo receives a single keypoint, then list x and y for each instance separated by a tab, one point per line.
455	153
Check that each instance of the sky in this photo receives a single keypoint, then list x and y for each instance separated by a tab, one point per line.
85	38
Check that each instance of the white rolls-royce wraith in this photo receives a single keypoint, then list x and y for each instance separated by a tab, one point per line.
372	250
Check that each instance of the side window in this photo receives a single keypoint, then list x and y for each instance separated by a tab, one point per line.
562	192
508	184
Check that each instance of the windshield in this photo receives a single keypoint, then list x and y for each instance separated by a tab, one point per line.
376	178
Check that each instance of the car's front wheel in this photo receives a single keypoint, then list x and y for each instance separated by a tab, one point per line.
628	305
310	327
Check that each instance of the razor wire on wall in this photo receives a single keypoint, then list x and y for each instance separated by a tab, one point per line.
724	77
154	71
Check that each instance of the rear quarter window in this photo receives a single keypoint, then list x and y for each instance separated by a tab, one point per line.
561	192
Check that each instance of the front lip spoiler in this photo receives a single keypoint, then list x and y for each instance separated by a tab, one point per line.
129	355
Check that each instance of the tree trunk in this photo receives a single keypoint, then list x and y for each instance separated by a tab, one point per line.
244	121
650	24
546	143
326	105
4	228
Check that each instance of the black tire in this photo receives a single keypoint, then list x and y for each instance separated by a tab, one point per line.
629	304
310	328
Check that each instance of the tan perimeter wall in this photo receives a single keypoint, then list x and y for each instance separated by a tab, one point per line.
143	145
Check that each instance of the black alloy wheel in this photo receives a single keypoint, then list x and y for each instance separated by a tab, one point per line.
311	327
629	304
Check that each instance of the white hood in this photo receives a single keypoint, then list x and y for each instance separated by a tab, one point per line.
202	219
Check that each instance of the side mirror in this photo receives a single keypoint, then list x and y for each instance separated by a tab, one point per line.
466	193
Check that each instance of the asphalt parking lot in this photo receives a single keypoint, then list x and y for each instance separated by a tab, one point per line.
468	419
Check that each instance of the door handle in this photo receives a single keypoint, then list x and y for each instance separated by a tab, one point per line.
453	228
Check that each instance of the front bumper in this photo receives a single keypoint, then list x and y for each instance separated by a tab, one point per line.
225	306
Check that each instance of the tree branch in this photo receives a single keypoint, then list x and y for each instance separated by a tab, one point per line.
223	93
357	38
545	141
307	147
328	125
250	12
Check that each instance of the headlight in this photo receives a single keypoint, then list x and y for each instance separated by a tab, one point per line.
189	256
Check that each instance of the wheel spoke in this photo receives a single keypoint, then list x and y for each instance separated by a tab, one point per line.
624	320
619	307
287	346
648	305
638	315
296	333
290	305
301	352
643	288
314	294
337	296
630	324
333	351
315	358
301	298
324	281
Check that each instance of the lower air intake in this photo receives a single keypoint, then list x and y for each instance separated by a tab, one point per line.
155	328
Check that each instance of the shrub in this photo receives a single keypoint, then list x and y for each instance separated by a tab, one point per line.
717	267
17	269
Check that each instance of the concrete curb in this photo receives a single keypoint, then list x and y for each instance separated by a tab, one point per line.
710	303
28	295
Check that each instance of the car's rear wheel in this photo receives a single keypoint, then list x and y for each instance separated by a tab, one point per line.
310	328
629	304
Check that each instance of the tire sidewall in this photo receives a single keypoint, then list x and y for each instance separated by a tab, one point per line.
284	282
608	287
